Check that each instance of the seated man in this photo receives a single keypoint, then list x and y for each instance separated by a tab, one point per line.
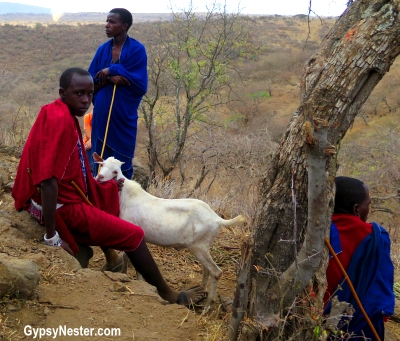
53	158
364	251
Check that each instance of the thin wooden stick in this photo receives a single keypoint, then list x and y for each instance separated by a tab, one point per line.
58	306
108	123
83	196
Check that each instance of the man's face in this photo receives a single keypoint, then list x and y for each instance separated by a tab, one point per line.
363	208
114	25
78	95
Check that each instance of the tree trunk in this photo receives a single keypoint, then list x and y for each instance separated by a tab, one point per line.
337	80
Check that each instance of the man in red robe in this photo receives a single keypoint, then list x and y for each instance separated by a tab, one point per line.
53	158
364	252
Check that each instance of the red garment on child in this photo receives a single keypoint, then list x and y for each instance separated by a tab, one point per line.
51	150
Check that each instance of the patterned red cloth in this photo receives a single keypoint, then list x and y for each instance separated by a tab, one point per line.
352	230
52	150
91	226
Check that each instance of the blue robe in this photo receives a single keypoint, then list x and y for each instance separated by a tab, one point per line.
372	273
132	65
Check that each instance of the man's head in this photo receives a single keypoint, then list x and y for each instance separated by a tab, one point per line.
352	197
119	20
76	90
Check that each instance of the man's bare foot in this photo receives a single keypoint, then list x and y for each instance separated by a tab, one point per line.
189	297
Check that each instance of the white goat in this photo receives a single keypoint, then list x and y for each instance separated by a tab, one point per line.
177	223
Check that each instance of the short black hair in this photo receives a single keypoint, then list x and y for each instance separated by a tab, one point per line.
349	191
125	15
65	79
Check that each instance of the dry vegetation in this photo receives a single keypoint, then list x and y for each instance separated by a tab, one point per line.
237	152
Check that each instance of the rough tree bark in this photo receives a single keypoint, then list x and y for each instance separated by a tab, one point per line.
337	80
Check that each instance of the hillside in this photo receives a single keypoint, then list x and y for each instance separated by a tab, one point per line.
45	17
10	7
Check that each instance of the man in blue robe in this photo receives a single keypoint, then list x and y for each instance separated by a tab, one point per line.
119	64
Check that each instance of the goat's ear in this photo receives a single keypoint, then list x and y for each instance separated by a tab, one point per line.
97	158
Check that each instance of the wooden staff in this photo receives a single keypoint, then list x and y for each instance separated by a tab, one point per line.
108	123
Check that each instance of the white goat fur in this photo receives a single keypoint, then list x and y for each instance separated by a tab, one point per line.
178	223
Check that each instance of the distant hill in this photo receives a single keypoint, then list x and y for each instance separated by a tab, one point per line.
71	18
9	7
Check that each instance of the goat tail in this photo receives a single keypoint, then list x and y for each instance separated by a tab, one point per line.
240	219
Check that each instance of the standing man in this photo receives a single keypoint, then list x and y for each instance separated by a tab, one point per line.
119	63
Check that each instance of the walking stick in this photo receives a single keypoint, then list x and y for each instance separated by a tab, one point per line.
108	123
353	291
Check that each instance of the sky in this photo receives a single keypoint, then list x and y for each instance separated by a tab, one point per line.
283	7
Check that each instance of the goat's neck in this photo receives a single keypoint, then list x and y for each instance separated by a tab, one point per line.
133	189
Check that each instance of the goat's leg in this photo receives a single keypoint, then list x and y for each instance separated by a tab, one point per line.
204	257
206	275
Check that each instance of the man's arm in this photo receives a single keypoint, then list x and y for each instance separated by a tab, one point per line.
49	194
117	80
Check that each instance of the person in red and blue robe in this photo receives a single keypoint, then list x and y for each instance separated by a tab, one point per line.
364	251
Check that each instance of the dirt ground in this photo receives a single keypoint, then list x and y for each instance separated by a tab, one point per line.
88	298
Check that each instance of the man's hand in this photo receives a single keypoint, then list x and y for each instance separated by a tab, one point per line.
67	248
88	144
120	183
119	80
102	75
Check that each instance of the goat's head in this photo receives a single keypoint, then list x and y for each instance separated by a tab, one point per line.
110	168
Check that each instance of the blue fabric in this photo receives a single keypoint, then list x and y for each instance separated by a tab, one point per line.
334	239
132	65
126	168
372	273
89	154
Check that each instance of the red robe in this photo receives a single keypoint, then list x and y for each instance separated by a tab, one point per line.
51	150
352	230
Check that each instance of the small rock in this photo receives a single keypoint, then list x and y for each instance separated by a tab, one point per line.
119	287
12	307
8	188
41	260
18	277
46	311
118	276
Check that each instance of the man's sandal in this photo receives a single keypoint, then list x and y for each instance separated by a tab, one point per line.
122	266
